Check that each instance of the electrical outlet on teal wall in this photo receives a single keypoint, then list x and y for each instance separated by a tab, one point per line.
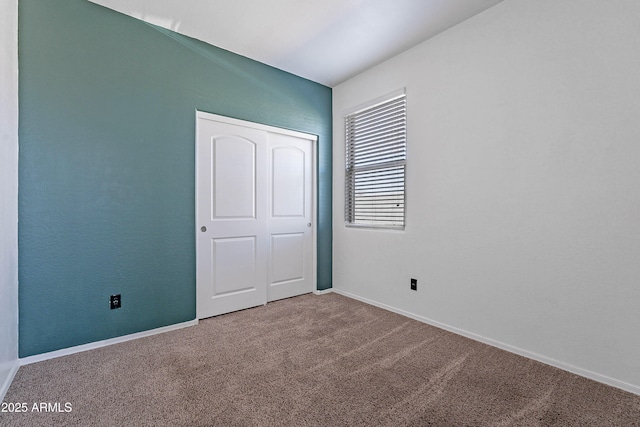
107	175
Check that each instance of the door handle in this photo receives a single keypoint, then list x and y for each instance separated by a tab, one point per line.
203	228
309	225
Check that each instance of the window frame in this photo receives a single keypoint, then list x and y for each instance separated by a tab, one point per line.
386	168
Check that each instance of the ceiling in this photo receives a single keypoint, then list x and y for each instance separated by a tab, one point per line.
327	41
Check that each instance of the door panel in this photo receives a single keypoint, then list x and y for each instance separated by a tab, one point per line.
231	252
234	165
288	165
290	222
287	258
233	264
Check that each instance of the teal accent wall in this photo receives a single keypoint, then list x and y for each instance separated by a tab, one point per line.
107	193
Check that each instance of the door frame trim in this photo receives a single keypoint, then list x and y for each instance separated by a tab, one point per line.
314	181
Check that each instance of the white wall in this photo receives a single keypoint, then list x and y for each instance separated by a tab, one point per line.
523	184
8	192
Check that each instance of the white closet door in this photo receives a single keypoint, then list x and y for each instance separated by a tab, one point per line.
290	217
254	214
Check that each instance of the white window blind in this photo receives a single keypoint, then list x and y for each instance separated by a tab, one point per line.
376	155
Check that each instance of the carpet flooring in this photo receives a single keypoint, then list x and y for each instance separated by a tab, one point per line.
310	361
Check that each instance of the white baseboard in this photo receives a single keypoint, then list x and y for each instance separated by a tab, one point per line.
4	387
323	292
104	343
631	388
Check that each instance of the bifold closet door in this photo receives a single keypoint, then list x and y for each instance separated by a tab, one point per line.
254	201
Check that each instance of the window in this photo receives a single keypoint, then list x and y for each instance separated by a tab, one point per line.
376	155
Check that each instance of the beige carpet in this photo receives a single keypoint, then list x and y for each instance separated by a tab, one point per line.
311	361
